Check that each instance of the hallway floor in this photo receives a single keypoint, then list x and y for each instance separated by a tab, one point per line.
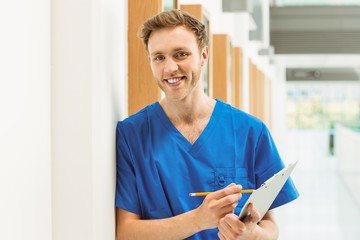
327	207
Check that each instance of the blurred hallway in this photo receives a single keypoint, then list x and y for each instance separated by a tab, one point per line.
327	208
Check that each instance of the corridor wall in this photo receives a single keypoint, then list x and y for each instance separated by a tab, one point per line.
25	164
63	83
88	97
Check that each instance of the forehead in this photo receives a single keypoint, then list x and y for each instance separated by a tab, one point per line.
168	38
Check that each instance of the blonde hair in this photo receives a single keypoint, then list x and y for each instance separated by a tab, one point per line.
174	18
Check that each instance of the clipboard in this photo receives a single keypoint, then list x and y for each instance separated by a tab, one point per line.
265	195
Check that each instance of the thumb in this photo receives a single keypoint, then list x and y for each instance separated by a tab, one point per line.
254	215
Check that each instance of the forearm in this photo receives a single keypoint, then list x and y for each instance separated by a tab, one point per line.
178	227
214	207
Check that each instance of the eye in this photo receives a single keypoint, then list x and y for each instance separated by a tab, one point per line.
158	58
181	54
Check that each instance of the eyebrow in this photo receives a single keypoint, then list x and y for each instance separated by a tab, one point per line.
155	53
174	50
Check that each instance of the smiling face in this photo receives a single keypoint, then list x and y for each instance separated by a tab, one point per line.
176	61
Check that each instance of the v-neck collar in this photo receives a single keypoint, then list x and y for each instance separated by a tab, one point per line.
205	134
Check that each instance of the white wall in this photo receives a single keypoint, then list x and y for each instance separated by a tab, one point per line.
71	96
88	86
25	180
347	142
63	71
278	105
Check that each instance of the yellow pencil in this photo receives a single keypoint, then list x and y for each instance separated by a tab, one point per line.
198	194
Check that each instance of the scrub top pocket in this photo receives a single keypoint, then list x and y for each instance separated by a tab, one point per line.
225	176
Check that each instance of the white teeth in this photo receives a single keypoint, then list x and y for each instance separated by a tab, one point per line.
173	80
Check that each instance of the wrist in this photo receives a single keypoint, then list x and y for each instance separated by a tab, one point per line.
196	220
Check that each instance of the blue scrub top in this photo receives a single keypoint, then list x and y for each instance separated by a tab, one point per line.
157	167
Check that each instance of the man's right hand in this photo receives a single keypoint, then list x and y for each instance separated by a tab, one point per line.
218	204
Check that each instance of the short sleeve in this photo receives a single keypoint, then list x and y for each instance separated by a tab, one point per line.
126	196
267	163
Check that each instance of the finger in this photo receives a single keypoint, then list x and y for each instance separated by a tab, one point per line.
221	236
254	214
225	228
230	189
226	210
233	221
229	201
230	226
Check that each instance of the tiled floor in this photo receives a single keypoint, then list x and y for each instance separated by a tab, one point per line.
327	207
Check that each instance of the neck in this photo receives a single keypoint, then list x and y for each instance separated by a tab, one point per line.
190	109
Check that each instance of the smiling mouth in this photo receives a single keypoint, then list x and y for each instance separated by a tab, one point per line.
174	80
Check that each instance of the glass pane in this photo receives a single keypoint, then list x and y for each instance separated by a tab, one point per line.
170	4
319	105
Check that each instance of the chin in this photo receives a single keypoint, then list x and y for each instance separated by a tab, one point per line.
175	98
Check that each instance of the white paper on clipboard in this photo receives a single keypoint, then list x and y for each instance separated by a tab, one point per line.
265	195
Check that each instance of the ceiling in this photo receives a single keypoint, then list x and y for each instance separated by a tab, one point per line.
310	38
281	3
317	39
315	29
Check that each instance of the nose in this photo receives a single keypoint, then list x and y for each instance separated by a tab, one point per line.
171	66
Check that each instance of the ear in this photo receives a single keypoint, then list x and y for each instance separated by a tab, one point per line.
204	55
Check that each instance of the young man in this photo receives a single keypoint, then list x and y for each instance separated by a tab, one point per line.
189	142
